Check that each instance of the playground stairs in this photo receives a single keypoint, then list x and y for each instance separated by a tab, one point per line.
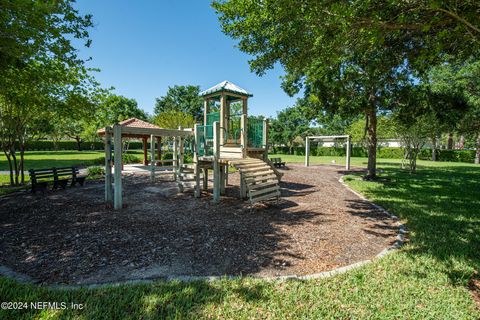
259	178
186	177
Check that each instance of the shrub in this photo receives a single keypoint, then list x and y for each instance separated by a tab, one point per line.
95	171
130	158
383	152
167	155
99	161
47	145
389	153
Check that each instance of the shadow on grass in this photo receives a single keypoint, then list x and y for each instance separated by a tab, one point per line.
442	209
161	300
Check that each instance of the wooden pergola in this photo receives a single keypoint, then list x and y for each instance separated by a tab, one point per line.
135	128
137	123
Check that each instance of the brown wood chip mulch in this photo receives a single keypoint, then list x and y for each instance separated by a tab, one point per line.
71	237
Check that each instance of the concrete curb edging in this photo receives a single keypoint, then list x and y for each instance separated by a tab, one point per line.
400	239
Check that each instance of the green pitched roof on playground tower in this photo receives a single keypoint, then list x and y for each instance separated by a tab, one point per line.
226	86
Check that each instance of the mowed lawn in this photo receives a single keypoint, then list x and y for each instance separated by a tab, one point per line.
427	279
49	159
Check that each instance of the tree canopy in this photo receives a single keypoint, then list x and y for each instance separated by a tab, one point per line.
289	124
41	30
181	98
352	57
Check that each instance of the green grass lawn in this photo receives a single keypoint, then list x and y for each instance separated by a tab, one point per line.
362	162
48	159
426	279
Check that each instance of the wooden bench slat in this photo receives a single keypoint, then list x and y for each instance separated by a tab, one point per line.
42	177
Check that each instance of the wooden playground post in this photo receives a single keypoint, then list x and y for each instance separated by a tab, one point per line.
175	158
117	143
216	163
205	179
349	150
196	168
159	148
152	158
205	111
307	151
243	135
145	160
180	147
223	106
265	138
108	164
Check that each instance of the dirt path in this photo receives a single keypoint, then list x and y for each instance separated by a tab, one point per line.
71	237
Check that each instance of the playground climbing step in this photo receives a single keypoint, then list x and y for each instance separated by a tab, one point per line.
260	179
186	176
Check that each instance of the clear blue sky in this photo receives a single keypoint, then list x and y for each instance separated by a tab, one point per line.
142	47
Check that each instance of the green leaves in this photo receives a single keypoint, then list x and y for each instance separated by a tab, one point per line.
181	99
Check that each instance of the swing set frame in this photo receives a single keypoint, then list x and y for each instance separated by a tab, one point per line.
348	147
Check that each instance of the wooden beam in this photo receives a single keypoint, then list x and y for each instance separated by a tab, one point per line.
307	151
205	111
349	149
159	148
265	138
216	163
175	157
157	132
108	164
205	179
181	150
196	168
152	158
223	106
117	144
243	134
145	158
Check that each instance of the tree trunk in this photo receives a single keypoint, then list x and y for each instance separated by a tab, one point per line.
477	154
461	143
22	163
10	166
434	149
450	141
79	141
15	165
371	116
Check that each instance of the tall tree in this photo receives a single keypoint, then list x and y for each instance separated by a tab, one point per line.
455	89
289	124
342	71
40	30
181	98
352	57
174	119
116	108
39	69
385	129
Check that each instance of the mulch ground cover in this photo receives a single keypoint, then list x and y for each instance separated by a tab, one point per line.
71	236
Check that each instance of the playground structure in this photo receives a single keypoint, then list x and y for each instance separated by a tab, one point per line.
227	138
348	147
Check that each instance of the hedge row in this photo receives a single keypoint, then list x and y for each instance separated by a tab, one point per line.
383	152
44	145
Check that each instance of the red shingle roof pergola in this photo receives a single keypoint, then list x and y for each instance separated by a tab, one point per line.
133	123
137	123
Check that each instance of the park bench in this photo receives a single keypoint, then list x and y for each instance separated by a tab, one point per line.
58	177
277	162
